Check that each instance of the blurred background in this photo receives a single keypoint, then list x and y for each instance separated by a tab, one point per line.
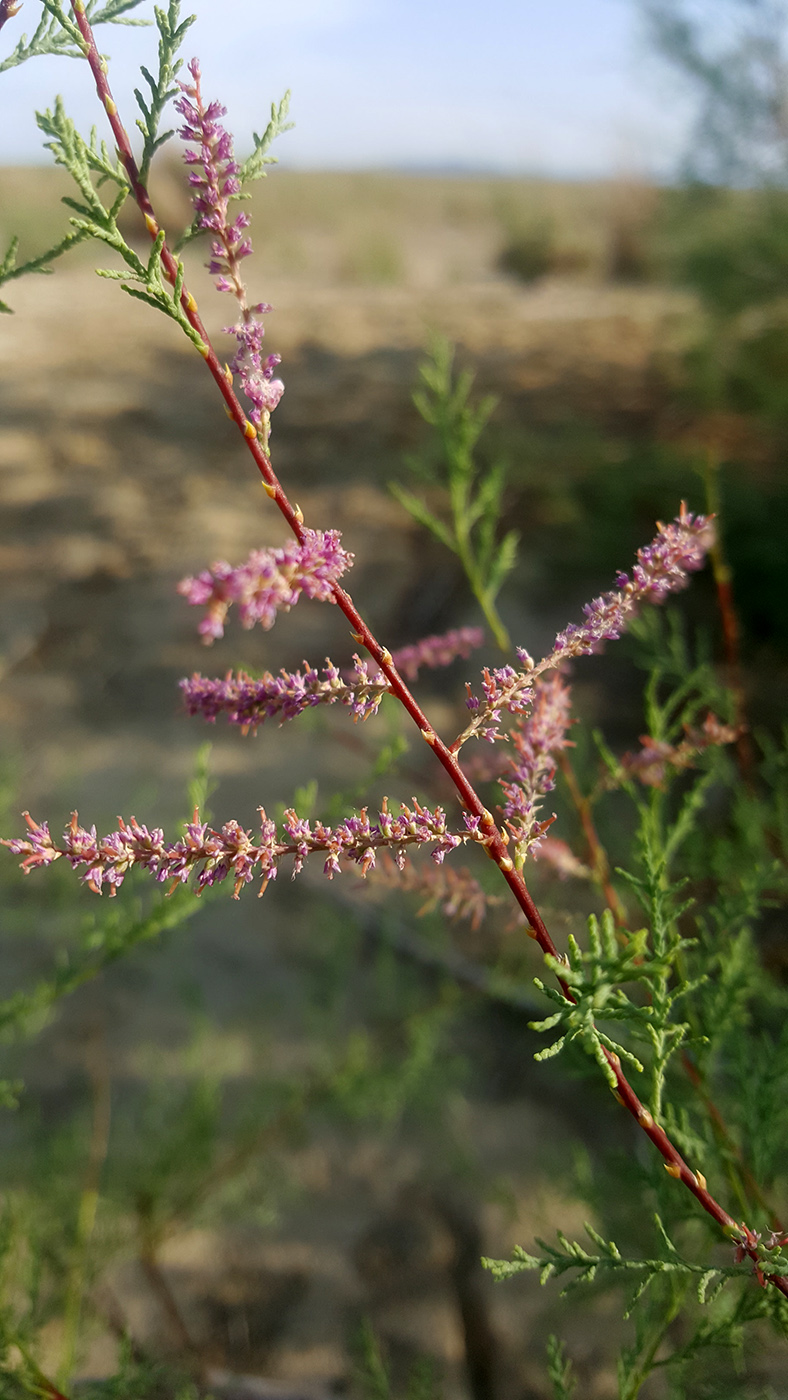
589	199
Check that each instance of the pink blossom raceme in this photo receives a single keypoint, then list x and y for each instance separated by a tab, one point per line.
504	689
662	567
561	858
247	701
231	853
255	370
655	757
435	652
537	739
214	182
270	581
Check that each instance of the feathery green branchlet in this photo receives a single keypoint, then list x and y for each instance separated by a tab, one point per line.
56	33
162	88
474	489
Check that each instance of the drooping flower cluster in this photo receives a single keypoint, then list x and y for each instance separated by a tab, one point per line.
247	701
214	181
270	581
231	853
554	852
537	739
663	567
652	761
457	893
434	652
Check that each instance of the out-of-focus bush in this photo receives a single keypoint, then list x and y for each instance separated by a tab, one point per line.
533	252
634	205
731	248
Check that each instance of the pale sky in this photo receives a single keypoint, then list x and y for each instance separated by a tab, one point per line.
562	87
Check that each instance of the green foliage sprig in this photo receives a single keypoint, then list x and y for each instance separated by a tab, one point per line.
57	34
595	977
94	219
559	1370
172	32
10	269
608	1264
667	1279
475	490
84	160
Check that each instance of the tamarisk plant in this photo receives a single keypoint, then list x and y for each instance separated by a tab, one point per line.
630	983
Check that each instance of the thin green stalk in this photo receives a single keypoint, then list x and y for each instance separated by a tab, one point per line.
486	603
637	1377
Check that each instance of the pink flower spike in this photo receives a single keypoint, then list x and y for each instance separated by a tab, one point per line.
270	581
435	652
537	739
248	701
661	568
214	183
38	849
232	854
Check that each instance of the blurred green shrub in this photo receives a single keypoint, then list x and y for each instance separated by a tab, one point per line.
731	248
533	252
528	255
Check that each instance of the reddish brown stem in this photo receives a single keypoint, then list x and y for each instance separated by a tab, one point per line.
495	842
729	620
51	1390
8	8
47	1388
597	855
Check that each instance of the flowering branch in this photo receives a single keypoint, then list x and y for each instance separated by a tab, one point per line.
231	853
661	568
247	702
215	182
